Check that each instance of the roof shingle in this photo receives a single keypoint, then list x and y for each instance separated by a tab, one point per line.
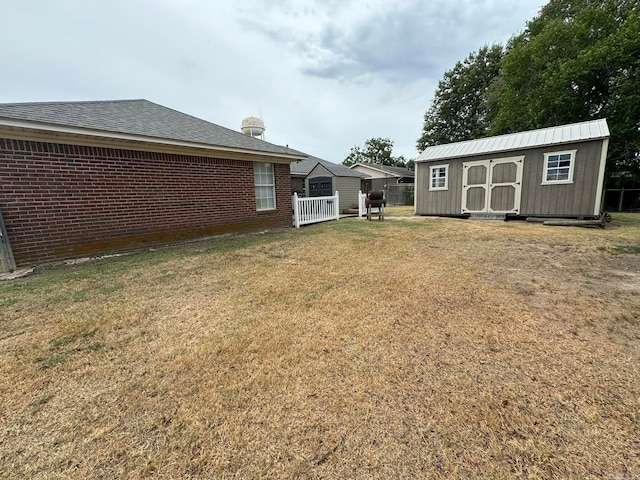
304	167
137	117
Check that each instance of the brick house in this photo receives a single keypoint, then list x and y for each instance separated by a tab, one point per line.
84	178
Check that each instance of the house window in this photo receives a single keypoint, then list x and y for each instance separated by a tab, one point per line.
439	177
265	184
558	167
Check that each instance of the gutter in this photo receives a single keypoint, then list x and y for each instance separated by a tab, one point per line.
60	130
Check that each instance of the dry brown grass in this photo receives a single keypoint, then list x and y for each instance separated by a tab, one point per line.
352	349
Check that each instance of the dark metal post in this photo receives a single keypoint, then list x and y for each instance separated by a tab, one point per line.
621	198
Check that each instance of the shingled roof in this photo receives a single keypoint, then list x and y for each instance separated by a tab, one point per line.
140	118
302	168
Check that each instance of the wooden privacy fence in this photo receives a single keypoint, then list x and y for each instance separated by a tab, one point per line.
315	209
400	194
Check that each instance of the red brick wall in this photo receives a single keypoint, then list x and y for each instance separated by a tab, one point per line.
64	201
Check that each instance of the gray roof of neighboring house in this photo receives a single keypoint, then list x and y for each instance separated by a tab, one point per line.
303	167
576	132
140	118
395	171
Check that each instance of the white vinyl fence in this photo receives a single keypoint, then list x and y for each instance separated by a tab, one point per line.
315	209
362	210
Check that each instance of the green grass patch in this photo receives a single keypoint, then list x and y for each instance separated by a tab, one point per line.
632	249
79	296
63	348
8	302
49	362
37	405
57	343
94	347
109	289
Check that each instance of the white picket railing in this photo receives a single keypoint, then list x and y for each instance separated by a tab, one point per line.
362	210
315	209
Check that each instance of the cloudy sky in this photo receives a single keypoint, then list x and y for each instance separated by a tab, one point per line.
325	75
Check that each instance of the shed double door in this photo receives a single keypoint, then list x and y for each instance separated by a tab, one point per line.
320	187
492	186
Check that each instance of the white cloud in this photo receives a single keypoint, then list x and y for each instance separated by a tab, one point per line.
327	75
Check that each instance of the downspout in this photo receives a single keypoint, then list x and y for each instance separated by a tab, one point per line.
6	254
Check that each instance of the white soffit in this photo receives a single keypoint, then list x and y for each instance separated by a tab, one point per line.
576	132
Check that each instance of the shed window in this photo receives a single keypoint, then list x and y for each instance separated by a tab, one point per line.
265	185
439	177
558	167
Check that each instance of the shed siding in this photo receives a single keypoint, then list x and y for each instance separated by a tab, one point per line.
439	202
348	188
64	201
575	199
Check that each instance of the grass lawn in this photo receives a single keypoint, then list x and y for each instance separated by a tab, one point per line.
428	348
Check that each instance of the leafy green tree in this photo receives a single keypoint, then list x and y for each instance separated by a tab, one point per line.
577	60
461	108
375	150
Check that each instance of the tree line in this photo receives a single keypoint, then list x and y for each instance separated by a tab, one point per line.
577	60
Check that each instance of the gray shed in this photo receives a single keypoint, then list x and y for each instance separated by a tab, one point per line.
553	172
322	177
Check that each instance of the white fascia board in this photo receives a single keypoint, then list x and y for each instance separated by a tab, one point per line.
44	127
379	170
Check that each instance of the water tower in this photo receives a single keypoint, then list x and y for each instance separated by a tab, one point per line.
253	126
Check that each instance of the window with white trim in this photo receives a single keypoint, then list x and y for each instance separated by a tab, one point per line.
438	177
265	185
558	167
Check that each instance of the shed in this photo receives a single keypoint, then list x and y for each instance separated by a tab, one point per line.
550	172
322	177
85	178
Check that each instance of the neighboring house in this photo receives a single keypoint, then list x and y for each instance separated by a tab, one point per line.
557	172
382	175
84	178
316	177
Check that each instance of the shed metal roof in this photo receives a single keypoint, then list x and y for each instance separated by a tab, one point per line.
576	132
141	118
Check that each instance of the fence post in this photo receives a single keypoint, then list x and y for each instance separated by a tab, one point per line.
621	199
337	210
360	210
296	211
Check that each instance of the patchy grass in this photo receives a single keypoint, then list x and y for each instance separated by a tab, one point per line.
399	211
428	348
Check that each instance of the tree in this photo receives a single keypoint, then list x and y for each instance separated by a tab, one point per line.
577	60
375	150
460	108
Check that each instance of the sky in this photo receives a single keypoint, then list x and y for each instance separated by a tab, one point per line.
324	75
